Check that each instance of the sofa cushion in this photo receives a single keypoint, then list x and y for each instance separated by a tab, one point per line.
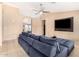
50	42
25	33
34	36
35	53
30	35
69	44
46	39
61	41
24	45
46	49
27	39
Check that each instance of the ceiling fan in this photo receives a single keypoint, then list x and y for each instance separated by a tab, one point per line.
41	10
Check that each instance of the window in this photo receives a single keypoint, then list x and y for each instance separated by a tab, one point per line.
27	22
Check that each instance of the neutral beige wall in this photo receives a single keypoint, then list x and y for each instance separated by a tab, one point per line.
12	22
0	24
51	17
37	27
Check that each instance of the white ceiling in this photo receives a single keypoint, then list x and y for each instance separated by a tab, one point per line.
26	8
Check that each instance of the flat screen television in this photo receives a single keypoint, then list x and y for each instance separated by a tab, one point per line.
65	24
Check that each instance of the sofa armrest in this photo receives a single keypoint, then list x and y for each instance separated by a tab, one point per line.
63	52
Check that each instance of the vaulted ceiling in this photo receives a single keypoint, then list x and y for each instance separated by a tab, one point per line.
26	8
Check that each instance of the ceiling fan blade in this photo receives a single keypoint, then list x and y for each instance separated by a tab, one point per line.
38	12
34	9
41	10
45	11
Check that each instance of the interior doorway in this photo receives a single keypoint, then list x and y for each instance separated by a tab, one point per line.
44	27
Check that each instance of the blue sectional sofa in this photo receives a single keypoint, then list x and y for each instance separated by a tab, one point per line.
42	46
